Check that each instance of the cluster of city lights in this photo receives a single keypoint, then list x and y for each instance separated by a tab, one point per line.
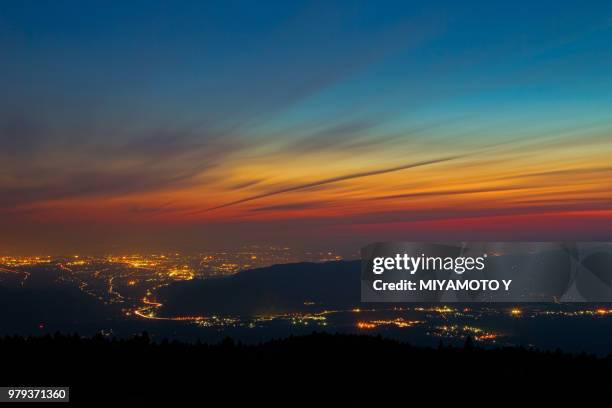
460	331
397	322
19	261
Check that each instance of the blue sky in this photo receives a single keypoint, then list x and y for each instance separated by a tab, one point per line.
300	60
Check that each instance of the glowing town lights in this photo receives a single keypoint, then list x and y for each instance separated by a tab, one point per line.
181	274
457	331
11	261
398	322
485	337
516	312
151	303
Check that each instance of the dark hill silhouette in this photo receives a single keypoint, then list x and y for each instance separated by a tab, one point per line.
276	289
24	310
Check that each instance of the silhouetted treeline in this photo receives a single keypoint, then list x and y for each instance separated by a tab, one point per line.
316	367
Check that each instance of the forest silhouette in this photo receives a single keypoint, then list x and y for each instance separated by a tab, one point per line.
316	367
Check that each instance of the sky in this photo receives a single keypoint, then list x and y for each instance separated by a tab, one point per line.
145	125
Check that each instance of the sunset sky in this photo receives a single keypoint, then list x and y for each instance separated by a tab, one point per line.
151	125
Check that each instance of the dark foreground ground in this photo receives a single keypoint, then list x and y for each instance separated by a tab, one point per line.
318	368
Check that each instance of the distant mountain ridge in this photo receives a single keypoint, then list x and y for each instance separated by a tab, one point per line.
275	289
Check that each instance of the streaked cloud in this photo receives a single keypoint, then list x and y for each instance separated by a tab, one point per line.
298	121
